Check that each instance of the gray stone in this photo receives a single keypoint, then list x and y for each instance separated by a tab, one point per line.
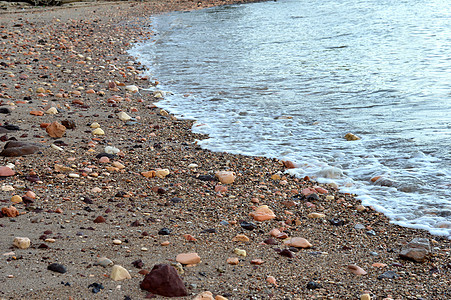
417	250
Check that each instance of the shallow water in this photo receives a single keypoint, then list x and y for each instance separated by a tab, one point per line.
289	79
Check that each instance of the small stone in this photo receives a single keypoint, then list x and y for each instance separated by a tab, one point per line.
365	297
359	226
240	238
163	280
248	225
416	250
178	266
262	213
379	265
356	270
219	297
257	261
99	219
119	273
225	177
117	242
289	164
286	253
96	287
6	171
123	116
233	260
104	262
270	241
297	242
95	125
16	199
351	137
56	130
315	215
188	258
17	148
98	131
336	222
240	252
164	231
388	275
271	280
10	211
131	88
161	173
360	208
22	242
52	111
313	285
204	296
57	268
165	243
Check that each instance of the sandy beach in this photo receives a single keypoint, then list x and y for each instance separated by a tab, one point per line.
99	185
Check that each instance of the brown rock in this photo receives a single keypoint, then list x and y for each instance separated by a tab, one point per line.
417	250
240	238
99	219
233	260
204	296
6	171
289	164
10	211
16	148
164	280
56	130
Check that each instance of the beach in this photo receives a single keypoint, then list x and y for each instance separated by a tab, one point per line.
104	177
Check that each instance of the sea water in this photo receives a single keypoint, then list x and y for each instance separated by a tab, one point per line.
291	78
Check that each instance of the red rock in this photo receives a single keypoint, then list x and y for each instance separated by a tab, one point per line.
289	164
308	191
164	280
99	219
257	261
321	190
10	211
233	260
189	237
36	113
6	171
56	130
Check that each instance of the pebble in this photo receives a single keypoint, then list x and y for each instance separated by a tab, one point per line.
55	130
359	226
117	242
16	199
416	250
225	177
312	285
95	125
297	242
240	252
240	238
365	297
104	262
57	268
22	242
119	273
6	171
388	275
123	116
161	173
248	225
257	261
356	270
351	137
271	280
96	287
336	222
315	215
10	211
98	131
164	280
286	253
164	231
16	148
204	296
233	260
289	164
262	213
52	111
188	258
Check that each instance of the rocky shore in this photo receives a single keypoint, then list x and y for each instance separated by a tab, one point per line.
106	196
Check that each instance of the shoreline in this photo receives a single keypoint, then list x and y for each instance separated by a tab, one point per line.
75	187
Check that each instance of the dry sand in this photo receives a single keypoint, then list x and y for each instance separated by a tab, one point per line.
70	50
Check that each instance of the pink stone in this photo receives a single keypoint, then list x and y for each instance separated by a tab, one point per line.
262	213
6	171
188	258
298	242
104	160
321	190
356	270
308	191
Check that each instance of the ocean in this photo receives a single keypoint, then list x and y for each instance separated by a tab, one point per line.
289	79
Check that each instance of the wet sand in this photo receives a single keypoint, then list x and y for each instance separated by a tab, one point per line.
74	58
